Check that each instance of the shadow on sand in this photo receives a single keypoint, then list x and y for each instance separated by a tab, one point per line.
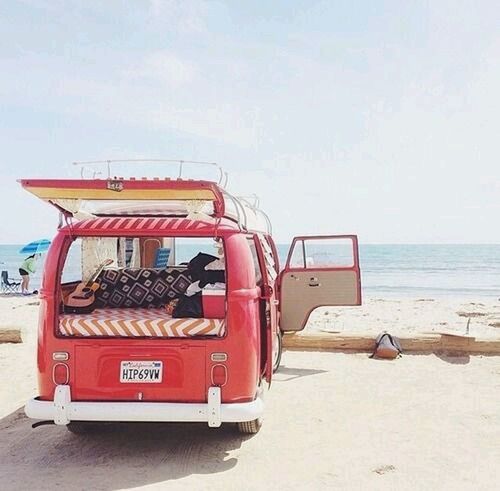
118	456
285	374
453	358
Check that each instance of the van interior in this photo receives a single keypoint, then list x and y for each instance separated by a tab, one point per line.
143	287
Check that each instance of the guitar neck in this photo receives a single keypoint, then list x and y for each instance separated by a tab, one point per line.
94	276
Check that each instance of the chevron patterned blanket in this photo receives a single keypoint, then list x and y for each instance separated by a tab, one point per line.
137	323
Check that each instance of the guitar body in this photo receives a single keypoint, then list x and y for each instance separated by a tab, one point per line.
82	296
81	299
77	310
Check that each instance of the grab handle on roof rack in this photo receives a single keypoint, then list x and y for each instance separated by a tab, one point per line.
237	207
244	214
247	199
256	209
222	175
268	220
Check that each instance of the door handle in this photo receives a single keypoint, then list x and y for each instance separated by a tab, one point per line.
314	282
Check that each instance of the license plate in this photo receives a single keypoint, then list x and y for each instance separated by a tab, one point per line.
144	372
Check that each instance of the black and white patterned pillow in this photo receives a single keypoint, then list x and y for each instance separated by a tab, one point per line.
140	287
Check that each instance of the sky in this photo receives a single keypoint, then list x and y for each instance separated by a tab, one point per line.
379	118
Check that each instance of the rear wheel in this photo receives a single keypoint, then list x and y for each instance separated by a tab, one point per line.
250	427
79	427
87	427
277	351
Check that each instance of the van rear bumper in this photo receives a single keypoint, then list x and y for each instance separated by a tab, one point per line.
63	410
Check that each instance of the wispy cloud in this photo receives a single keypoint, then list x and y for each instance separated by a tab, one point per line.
187	16
379	120
158	91
164	67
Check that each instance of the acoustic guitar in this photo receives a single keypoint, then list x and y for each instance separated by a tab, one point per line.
80	300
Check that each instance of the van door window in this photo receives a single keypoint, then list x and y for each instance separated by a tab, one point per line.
322	253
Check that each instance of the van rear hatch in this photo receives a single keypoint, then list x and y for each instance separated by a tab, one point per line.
114	372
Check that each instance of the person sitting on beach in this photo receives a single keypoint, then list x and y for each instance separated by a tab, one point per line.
28	266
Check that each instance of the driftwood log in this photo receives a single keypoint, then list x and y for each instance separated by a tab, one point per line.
432	343
10	336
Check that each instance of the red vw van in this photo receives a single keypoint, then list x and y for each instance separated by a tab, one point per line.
112	342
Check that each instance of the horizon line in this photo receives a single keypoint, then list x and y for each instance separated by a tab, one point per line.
360	243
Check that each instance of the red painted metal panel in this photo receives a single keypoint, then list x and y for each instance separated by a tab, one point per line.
271	327
97	372
92	362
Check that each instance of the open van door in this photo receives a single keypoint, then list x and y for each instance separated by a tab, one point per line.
320	271
269	271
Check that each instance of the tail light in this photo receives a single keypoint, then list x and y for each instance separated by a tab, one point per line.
60	374
219	375
60	356
218	356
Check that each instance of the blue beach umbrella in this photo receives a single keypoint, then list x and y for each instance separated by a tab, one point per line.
36	247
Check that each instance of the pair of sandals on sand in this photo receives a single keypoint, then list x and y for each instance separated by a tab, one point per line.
27	294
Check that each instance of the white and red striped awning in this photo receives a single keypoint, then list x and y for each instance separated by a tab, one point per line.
129	225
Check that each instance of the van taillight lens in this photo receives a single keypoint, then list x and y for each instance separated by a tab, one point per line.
60	356
60	374
218	356
219	375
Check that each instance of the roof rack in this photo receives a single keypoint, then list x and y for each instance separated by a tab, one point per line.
222	176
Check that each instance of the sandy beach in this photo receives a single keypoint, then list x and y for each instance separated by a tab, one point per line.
182	179
412	316
331	420
400	316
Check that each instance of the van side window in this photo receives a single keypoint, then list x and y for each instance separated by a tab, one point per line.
85	257
72	270
187	248
271	267
255	258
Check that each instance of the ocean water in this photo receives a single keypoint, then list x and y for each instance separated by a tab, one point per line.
431	270
387	270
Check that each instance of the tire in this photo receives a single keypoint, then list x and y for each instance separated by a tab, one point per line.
250	427
278	353
88	427
80	427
